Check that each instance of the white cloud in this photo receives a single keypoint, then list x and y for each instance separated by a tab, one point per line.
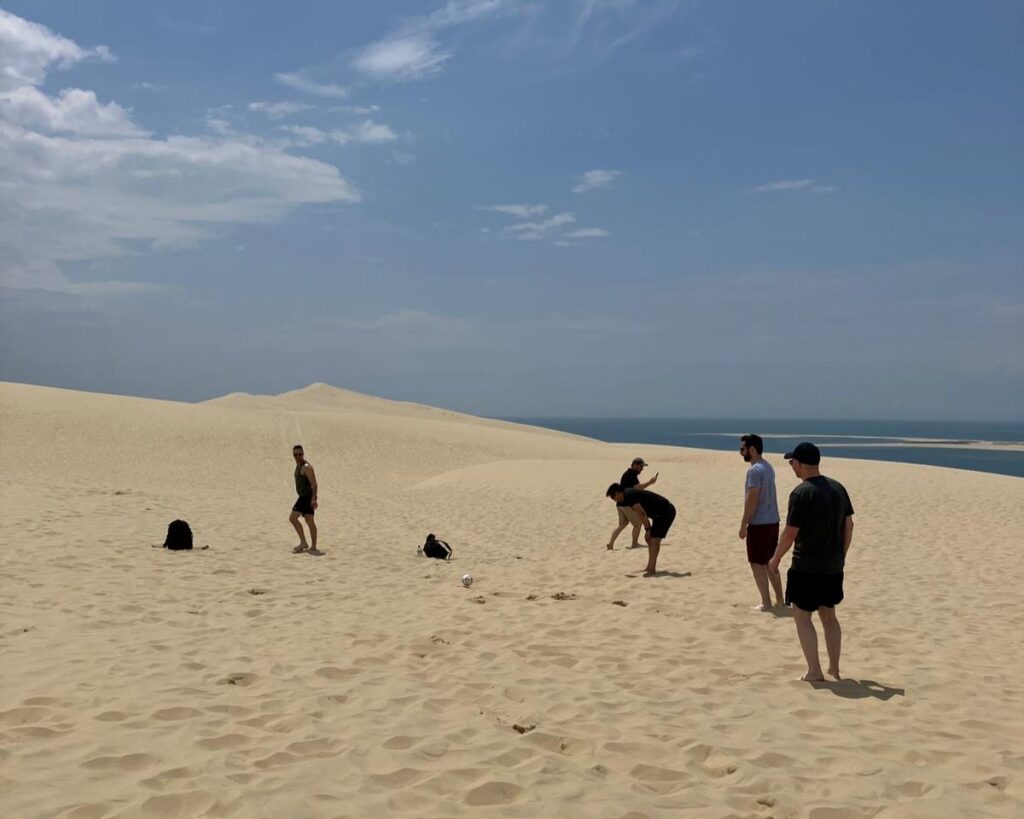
302	83
519	211
28	51
785	185
367	132
372	132
279	110
412	57
82	182
595	179
358	110
74	111
586	233
536	231
413	51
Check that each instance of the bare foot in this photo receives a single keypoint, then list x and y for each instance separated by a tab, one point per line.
809	677
298	550
834	672
315	552
649	573
763	607
609	548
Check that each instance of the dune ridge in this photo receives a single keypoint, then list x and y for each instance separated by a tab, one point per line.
243	681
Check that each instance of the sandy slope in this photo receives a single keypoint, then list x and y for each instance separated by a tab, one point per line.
244	681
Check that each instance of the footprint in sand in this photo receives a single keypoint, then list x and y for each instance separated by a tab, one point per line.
563	596
494	793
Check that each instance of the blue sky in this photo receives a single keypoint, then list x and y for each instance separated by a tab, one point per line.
520	207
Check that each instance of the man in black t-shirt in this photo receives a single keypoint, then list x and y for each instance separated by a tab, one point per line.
656	514
630	480
820	523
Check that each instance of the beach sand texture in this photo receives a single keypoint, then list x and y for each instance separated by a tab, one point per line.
244	681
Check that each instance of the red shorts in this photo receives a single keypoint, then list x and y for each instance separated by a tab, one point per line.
761	542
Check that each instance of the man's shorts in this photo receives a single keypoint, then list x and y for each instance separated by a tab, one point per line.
661	524
304	505
810	591
761	542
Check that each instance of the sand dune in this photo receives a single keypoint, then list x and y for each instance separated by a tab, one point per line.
243	681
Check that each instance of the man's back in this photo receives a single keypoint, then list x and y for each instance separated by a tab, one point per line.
819	507
651	502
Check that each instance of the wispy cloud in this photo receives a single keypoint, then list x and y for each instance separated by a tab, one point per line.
279	110
595	180
586	233
367	132
414	51
519	211
188	27
29	51
611	24
795	185
413	57
538	231
300	82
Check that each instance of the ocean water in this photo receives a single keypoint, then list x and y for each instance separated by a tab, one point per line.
938	443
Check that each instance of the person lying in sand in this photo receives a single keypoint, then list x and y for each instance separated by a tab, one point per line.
656	514
820	523
305	506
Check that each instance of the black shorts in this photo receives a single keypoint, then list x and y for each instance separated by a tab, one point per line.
661	524
762	538
810	591
304	505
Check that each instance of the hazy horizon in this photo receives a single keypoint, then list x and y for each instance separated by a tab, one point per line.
520	208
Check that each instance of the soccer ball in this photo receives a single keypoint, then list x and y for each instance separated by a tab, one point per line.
467	580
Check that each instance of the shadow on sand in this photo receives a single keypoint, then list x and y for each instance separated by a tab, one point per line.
662	574
860	689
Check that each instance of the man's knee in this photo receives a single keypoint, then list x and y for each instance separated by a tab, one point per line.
294	517
827	613
310	521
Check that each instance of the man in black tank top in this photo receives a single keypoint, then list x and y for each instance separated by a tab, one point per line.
305	506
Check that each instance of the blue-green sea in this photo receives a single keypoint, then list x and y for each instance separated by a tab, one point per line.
938	443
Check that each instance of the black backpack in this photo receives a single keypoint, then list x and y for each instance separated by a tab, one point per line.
179	536
437	548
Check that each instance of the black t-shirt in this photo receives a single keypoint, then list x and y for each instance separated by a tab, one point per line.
651	502
629	479
819	507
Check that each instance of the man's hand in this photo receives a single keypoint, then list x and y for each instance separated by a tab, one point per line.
314	504
743	531
652	480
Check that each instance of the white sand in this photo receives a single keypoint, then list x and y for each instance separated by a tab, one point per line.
244	681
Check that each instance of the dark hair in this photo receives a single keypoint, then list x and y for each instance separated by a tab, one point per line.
298	446
613	490
753	442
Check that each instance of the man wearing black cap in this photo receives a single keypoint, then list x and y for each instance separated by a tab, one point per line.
656	514
630	480
820	522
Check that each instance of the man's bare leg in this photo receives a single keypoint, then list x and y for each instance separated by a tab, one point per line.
808	643
760	573
615	533
833	638
636	536
311	523
294	518
653	548
776	581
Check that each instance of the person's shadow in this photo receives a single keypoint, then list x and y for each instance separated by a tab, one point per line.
859	689
663	574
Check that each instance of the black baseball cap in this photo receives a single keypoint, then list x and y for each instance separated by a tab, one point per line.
805	453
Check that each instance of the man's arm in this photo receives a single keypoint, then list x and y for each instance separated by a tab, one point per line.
651	481
785	544
748	509
847	535
307	470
